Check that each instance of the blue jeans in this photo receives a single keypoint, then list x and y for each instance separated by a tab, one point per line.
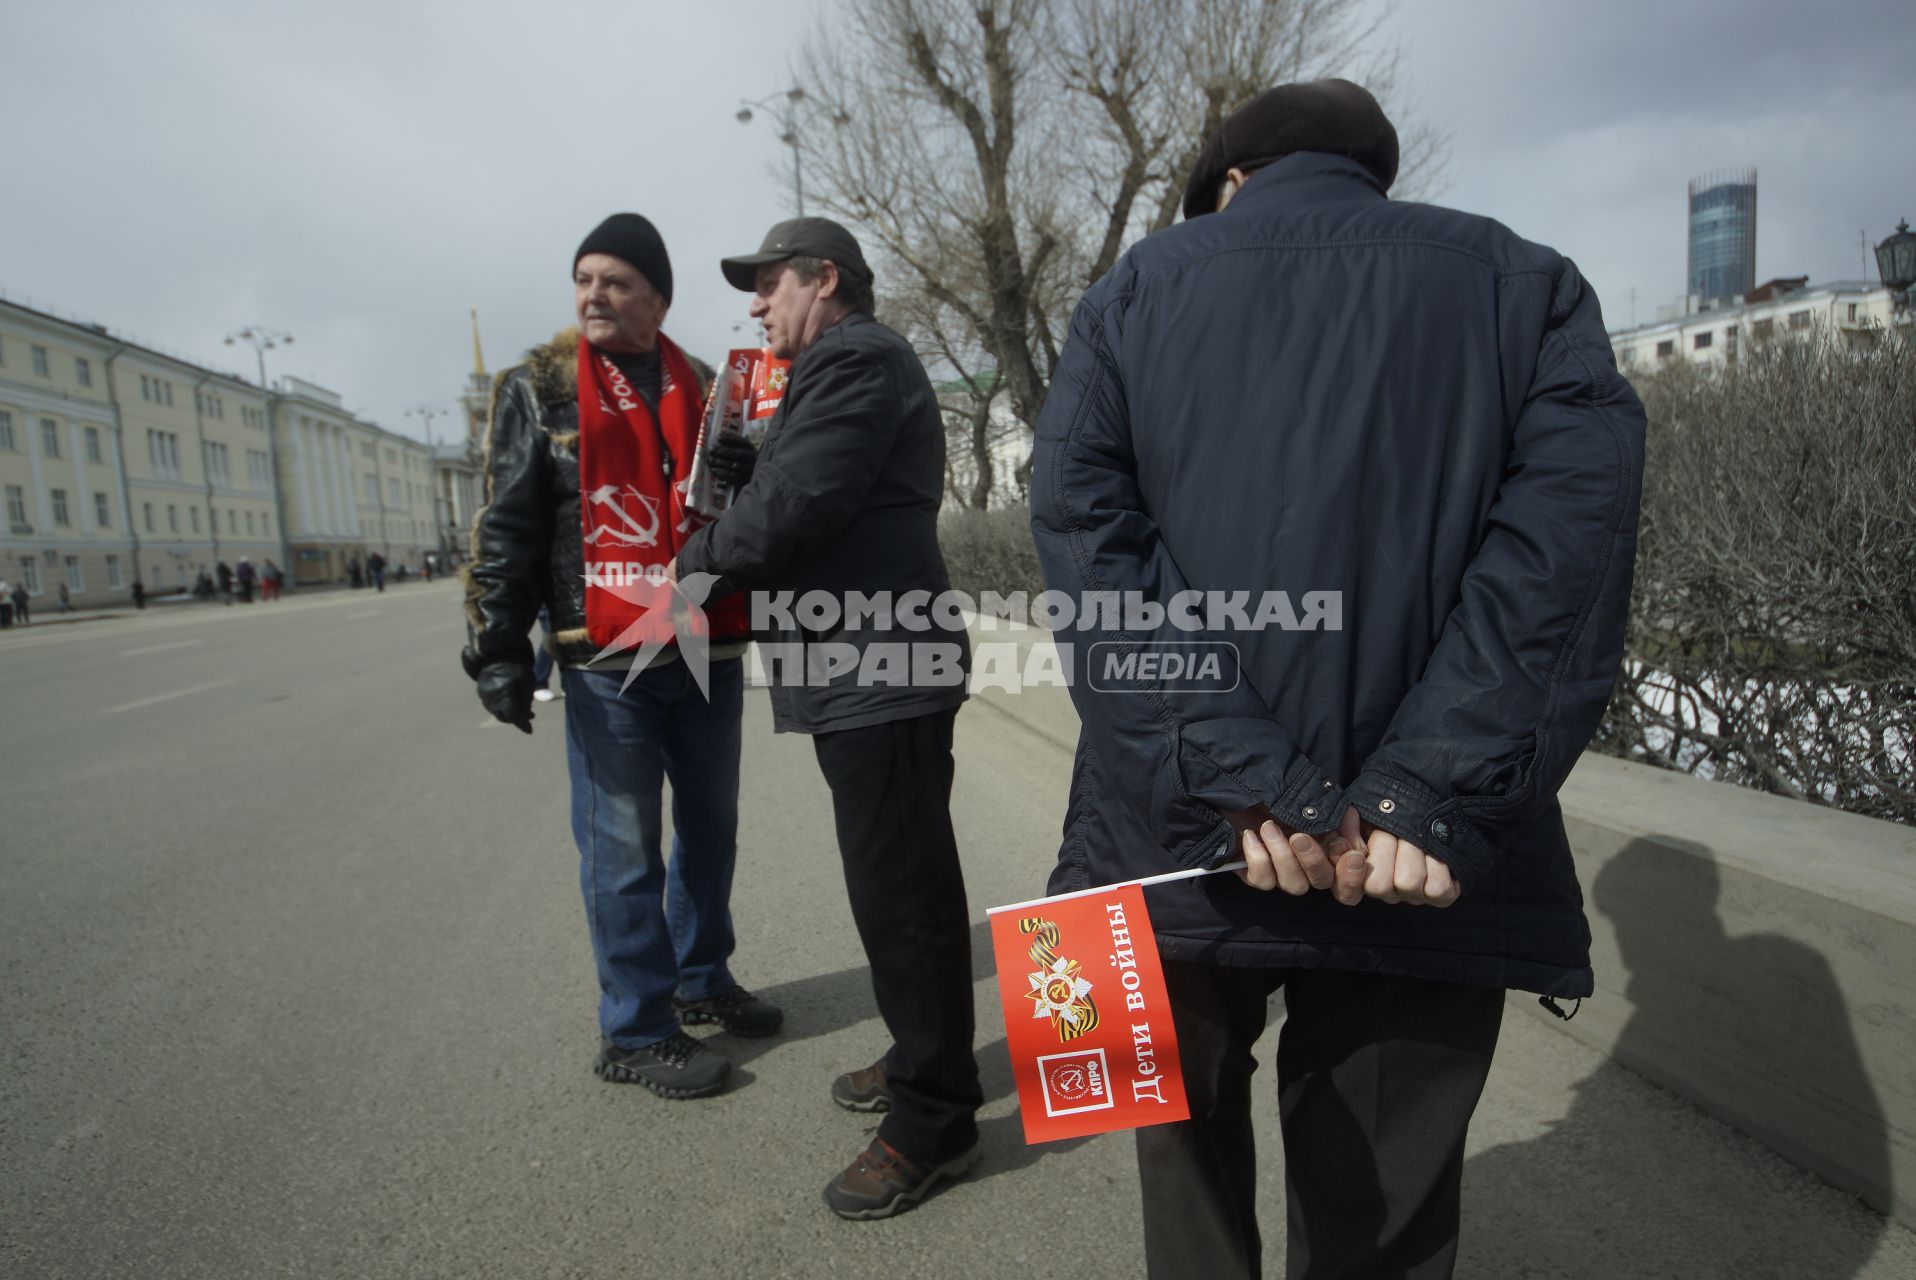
658	929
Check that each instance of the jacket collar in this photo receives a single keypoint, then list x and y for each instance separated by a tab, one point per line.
1306	171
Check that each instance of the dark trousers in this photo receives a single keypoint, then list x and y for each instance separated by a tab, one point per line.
1377	1078
891	797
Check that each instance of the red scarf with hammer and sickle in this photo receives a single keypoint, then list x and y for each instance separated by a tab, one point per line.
632	472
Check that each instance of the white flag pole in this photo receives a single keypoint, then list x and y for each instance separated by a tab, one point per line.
1146	882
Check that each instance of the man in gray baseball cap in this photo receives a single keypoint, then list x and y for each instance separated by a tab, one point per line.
844	498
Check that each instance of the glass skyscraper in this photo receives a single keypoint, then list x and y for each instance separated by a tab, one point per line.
1723	235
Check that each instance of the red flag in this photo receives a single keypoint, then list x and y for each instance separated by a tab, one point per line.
1086	1014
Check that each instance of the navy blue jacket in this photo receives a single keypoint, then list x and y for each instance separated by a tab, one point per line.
1406	419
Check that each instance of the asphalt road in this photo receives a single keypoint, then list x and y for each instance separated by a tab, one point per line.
293	982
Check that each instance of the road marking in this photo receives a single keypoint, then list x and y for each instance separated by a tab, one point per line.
166	697
161	648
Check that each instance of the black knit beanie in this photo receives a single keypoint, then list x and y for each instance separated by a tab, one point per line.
632	237
1333	116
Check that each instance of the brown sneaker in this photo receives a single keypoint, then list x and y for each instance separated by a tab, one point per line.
863	1090
881	1182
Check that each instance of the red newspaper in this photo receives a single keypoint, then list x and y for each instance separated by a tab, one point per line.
744	396
1086	1015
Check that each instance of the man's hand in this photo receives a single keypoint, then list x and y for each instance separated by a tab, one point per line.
1297	863
1398	871
505	690
732	458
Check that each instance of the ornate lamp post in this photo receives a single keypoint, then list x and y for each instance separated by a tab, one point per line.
786	109
1896	263
261	339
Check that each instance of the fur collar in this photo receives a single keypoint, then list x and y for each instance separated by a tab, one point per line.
553	369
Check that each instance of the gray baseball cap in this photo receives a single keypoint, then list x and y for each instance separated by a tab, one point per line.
798	238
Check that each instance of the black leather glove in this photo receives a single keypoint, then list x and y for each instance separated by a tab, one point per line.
732	458
505	690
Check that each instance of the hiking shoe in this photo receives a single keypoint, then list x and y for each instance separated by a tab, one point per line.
881	1182
863	1090
737	1011
675	1067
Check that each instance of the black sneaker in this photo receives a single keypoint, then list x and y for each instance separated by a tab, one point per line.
675	1067
881	1182
863	1090
738	1011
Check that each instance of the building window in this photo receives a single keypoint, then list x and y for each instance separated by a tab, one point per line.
103	510
83	371
232	520
1762	329
30	574
50	437
93	444
40	362
167	387
172	518
17	509
1666	348
76	577
61	516
6	430
266	523
1852	313
114	580
146	509
193	513
1702	341
1799	319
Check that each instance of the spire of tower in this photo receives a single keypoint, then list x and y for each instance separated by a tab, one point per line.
478	357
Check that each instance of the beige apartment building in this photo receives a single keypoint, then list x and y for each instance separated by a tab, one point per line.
350	487
119	462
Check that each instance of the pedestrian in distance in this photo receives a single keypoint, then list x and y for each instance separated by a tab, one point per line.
1411	417
245	576
583	431
843	497
224	572
6	603
21	603
139	594
376	570
66	599
270	579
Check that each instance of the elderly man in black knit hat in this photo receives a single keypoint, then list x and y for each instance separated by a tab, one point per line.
587	440
1407	419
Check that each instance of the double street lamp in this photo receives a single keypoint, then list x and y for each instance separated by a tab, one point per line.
1896	263
786	110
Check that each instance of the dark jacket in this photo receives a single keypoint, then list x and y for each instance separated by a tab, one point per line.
1320	390
528	548
844	499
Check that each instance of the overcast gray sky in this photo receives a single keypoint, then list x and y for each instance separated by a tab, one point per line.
362	174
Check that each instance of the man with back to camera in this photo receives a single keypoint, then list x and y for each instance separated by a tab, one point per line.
1408	419
591	431
843	498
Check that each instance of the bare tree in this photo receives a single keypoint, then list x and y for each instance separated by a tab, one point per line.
998	155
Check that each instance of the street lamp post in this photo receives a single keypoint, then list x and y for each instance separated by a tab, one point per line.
786	109
261	339
426	413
